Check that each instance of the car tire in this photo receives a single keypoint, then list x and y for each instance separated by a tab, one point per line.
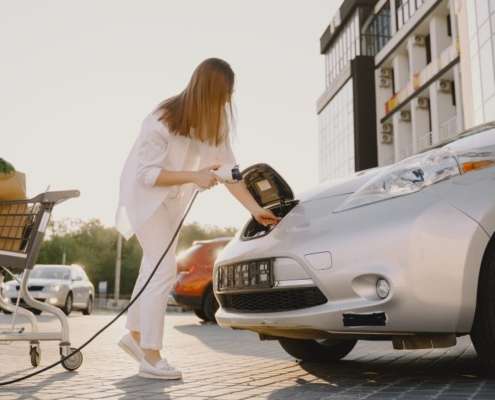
483	330
317	351
69	302
210	305
89	307
200	314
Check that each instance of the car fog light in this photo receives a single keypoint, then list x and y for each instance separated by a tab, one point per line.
382	288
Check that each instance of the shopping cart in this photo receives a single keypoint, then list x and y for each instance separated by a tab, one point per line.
22	228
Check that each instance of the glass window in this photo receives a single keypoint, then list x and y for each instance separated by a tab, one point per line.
336	136
481	10
482	48
50	272
344	49
377	31
487	70
484	33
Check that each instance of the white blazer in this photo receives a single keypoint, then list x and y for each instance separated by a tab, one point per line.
156	148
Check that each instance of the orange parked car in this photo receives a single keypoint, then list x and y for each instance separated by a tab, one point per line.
193	288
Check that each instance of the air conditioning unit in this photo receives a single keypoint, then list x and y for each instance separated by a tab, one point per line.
423	103
386	73
384	83
419	40
405	116
387	128
387	138
444	86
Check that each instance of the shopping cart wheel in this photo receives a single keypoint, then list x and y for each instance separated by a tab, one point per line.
35	354
74	361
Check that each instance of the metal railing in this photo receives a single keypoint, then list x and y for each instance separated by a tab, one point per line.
405	9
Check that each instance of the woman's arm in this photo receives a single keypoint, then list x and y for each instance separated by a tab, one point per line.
204	178
260	214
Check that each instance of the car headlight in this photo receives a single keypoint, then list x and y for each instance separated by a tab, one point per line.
416	173
55	287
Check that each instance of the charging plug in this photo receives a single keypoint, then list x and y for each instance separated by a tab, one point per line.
228	174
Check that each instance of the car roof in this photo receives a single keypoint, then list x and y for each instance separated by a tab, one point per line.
71	266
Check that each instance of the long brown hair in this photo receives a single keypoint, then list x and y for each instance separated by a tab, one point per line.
199	111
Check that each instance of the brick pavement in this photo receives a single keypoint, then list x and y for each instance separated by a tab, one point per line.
234	365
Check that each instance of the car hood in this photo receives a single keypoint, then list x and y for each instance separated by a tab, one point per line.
269	188
45	282
343	186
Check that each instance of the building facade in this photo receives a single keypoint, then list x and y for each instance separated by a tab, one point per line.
433	75
346	143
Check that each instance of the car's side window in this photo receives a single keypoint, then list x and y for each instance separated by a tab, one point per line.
84	276
76	275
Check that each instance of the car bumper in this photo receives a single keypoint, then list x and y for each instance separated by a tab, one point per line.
55	299
428	251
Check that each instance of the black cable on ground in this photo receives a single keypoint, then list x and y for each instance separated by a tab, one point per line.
48	367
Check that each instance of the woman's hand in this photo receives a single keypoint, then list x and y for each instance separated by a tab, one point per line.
205	178
265	217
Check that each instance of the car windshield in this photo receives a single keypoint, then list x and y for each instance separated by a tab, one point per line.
59	273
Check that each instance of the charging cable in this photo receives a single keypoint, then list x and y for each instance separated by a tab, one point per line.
225	175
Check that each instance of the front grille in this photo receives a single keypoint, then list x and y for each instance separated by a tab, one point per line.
33	288
13	300
273	301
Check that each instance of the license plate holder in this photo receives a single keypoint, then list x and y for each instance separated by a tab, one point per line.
254	274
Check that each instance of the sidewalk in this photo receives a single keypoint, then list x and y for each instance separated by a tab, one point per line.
234	365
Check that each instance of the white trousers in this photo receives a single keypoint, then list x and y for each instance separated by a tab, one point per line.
147	314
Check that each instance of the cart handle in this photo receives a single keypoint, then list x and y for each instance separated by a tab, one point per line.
55	197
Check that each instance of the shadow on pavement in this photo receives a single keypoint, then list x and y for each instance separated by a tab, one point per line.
135	387
378	379
228	340
29	388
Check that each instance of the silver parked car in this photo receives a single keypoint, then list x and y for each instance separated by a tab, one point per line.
403	253
64	286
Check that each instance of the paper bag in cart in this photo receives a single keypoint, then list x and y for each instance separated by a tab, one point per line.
13	217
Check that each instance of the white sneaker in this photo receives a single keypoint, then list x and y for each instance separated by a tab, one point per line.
162	370
131	347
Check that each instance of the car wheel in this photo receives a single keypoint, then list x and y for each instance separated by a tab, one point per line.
200	314
67	308
483	331
210	305
326	350
89	307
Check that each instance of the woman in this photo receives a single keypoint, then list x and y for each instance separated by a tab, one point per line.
181	143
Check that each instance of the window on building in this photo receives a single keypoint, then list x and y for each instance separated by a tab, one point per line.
428	49
336	136
452	84
376	31
405	9
449	26
344	49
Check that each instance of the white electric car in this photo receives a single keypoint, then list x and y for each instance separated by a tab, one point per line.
403	253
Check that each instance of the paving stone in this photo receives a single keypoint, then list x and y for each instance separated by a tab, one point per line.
234	365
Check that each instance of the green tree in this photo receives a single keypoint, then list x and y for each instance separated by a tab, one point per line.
94	246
